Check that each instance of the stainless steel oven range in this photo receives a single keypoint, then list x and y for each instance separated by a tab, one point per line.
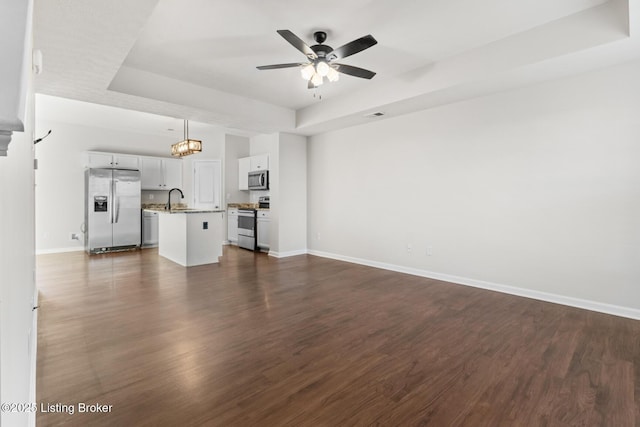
247	229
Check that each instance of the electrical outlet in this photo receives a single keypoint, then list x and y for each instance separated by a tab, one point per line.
409	247
151	196
318	236
74	236
429	250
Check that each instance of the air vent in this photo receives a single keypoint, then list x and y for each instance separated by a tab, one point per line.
374	115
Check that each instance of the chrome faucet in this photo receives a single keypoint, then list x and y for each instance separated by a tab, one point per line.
168	207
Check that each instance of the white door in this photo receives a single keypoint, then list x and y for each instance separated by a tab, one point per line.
207	184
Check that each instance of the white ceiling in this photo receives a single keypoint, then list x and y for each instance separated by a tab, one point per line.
197	58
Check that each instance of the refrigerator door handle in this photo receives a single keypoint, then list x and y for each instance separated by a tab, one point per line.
116	201
111	202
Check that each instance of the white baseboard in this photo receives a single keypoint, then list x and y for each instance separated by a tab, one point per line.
59	250
287	254
615	310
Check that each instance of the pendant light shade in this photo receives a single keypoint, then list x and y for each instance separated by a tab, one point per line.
187	146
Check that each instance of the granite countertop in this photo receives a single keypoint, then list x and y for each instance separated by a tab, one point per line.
156	206
246	206
243	205
176	208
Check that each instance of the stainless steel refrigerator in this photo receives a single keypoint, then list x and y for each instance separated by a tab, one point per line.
112	210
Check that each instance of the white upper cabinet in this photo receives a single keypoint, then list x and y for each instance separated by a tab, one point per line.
260	162
250	164
99	160
160	174
151	173
156	173
244	166
172	170
126	162
112	160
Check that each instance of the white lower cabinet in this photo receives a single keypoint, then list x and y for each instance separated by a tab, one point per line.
263	230
232	226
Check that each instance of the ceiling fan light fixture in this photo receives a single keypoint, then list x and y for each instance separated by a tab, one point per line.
320	58
307	71
333	75
322	68
316	79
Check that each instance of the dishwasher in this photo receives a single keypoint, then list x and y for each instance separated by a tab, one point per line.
149	229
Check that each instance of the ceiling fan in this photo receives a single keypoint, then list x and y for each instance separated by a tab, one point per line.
321	57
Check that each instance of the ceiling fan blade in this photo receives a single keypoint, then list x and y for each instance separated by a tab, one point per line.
276	66
354	71
298	43
352	47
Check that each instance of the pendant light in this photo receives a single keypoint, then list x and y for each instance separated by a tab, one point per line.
186	146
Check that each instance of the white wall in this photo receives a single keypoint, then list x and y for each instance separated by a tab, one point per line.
17	267
291	206
287	191
536	189
17	261
235	147
60	174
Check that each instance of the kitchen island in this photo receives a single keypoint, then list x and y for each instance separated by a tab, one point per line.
190	237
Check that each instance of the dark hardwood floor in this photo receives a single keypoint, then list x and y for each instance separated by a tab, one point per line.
307	341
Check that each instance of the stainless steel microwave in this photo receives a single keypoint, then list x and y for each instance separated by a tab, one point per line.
259	180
